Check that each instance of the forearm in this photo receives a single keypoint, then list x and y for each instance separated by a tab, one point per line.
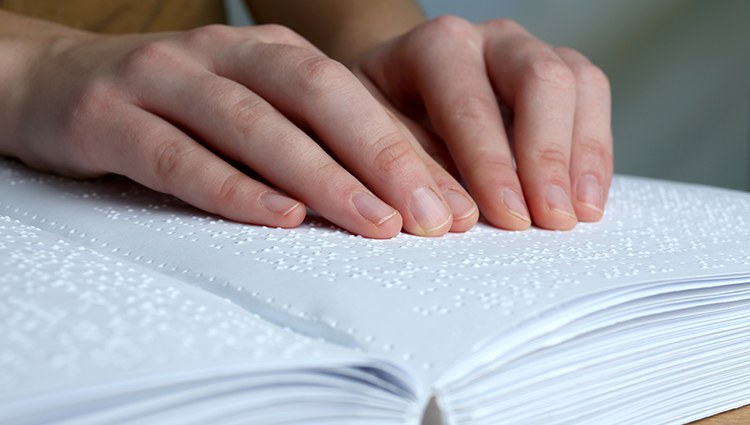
343	29
23	42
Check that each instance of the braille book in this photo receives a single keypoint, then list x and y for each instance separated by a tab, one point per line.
122	305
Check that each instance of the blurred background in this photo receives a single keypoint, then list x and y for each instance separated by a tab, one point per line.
679	69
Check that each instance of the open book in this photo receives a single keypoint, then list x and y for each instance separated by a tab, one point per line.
122	305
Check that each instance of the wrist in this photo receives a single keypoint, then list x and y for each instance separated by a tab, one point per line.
343	29
26	44
371	27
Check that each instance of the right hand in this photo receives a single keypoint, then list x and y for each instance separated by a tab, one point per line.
171	110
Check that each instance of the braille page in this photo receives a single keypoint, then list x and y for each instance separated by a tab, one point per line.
89	336
424	302
682	354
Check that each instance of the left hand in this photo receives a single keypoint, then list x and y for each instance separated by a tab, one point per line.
447	80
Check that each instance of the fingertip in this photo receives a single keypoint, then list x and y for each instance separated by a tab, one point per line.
507	211
516	209
292	220
383	221
558	221
588	214
431	215
388	229
589	200
432	232
464	210
278	204
285	211
557	213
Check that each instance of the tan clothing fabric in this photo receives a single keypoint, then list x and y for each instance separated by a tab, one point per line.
123	16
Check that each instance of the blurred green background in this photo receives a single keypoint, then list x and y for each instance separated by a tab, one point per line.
679	69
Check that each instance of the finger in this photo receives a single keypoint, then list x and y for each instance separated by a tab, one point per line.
464	209
203	41
422	131
438	161
158	155
452	82
428	141
320	94
541	90
241	125
591	164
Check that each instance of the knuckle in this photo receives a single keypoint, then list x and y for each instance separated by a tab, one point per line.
320	74
506	25
97	105
210	35
248	111
96	99
451	26
591	74
551	157
282	35
330	175
393	153
431	38
169	158
326	170
573	54
148	58
486	161
551	70
229	192
442	31
588	147
478	110
500	165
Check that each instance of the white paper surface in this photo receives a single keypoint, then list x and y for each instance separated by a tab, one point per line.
421	302
96	339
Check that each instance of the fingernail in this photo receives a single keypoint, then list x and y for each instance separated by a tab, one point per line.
461	206
372	208
279	204
515	205
590	192
558	200
428	210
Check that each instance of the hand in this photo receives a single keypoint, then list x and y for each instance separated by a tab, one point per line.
447	80
171	110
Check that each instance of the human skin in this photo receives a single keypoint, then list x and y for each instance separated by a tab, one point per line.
174	110
446	80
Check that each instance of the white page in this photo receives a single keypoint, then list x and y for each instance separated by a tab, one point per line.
94	338
420	301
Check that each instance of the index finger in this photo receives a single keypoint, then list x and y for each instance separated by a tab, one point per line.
318	93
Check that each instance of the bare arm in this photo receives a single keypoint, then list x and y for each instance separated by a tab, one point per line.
344	30
24	43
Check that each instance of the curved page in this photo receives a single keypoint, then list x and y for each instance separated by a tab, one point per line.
90	338
423	303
